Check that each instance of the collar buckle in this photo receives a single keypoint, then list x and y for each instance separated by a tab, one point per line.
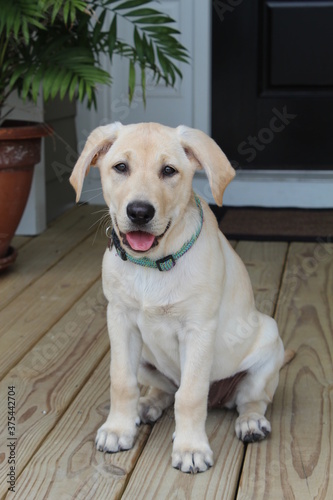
120	251
166	263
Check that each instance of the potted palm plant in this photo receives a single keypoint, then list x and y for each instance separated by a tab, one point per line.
55	48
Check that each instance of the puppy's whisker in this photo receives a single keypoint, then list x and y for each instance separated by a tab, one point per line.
105	213
103	210
90	190
93	197
103	222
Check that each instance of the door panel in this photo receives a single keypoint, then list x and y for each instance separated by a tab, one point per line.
272	83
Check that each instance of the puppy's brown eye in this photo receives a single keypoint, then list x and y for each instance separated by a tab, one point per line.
168	171
121	168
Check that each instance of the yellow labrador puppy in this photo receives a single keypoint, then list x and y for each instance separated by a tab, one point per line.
181	313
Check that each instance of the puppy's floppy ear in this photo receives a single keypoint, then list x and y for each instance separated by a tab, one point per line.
206	154
98	144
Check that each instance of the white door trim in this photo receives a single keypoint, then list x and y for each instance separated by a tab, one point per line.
273	188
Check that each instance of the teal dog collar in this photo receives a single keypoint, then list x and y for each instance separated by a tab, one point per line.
166	263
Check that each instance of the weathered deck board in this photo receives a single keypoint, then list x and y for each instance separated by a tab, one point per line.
264	262
51	246
52	373
19	241
68	465
296	462
153	476
39	306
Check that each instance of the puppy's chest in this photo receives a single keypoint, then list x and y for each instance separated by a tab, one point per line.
158	322
161	329
161	318
159	304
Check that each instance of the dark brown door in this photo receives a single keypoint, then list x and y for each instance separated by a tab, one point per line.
272	83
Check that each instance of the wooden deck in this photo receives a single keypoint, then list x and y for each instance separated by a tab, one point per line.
54	355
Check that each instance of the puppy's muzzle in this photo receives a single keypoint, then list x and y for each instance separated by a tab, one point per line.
140	212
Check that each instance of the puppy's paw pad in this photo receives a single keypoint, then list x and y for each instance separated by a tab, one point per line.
149	412
252	428
111	441
192	461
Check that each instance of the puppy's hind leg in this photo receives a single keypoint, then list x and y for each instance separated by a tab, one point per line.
161	394
255	392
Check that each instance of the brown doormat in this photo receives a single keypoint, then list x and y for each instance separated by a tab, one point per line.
276	224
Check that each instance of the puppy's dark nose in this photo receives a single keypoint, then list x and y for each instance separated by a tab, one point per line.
140	212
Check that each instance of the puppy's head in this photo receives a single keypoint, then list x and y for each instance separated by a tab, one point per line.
146	173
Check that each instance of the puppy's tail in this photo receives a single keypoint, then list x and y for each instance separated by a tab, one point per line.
288	356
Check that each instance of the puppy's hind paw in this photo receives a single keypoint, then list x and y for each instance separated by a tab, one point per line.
148	411
252	427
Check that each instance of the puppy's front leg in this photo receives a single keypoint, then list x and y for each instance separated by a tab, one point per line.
191	450
119	430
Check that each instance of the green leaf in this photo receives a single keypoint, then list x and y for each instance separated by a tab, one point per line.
138	45
27	83
81	89
155	20
25	31
72	87
18	16
98	27
66	12
48	80
36	84
131	3
163	62
131	80
57	82
161	30
18	72
177	70
148	49
143	84
168	68
64	85
55	11
112	39
143	12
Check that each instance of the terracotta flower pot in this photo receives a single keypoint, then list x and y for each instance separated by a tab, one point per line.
19	152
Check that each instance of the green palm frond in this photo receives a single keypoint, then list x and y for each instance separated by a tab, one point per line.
57	45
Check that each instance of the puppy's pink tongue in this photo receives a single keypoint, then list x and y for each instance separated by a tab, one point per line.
139	240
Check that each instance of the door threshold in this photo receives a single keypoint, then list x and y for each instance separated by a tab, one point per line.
274	188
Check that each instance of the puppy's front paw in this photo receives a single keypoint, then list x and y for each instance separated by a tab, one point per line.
192	458
252	427
111	438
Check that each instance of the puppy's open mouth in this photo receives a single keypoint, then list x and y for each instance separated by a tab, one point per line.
140	241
